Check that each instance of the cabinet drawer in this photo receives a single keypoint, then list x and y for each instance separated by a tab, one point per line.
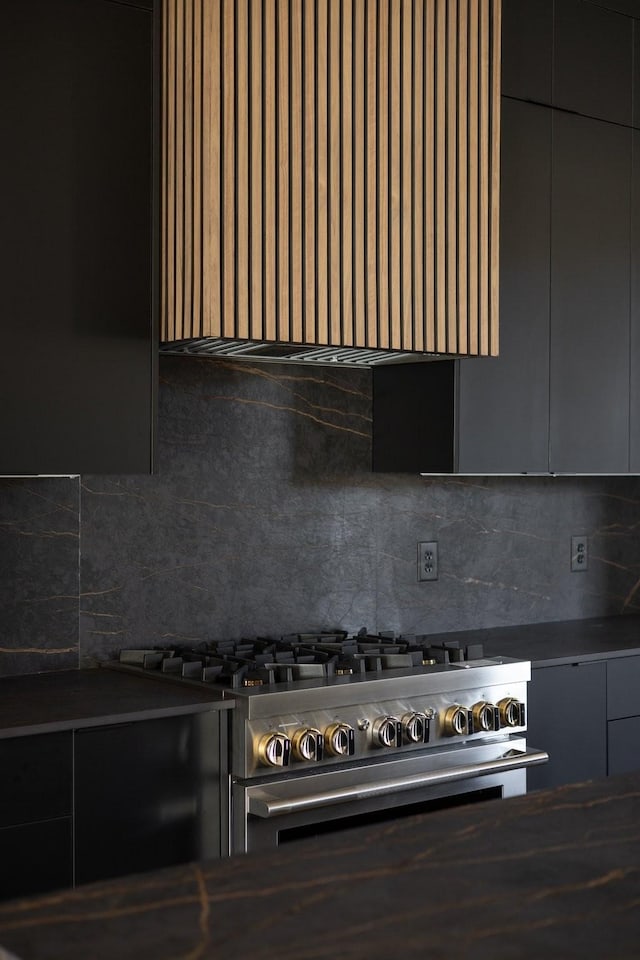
624	745
623	687
35	858
36	778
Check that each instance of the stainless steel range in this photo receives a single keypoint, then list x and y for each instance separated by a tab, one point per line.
332	731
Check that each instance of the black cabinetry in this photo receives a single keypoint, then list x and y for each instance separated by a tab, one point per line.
564	394
527	49
587	716
147	795
567	714
106	801
36	806
77	277
590	319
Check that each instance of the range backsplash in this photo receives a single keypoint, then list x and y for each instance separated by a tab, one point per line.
264	517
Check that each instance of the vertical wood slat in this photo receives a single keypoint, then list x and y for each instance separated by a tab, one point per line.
346	133
255	178
331	172
483	152
494	186
283	151
418	180
406	338
269	172
440	165
394	339
335	205
295	172
242	189
359	154
371	173
229	172
473	181
430	90
384	321
309	172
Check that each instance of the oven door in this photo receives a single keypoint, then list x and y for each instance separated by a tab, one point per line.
277	810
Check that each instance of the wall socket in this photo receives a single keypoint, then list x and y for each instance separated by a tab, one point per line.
428	560
579	554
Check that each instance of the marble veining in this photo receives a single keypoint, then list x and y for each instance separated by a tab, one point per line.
548	874
39	574
264	517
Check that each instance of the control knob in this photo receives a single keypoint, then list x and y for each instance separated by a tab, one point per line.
415	727
386	732
307	744
486	716
455	721
339	740
512	712
274	750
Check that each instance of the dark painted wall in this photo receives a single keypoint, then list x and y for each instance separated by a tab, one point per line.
264	517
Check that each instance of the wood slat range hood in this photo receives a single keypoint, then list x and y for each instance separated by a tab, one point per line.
331	179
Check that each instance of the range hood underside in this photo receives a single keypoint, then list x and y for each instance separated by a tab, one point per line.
357	357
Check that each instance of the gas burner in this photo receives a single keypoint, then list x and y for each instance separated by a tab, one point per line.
263	661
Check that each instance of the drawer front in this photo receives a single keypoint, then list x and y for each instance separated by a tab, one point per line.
37	777
36	858
624	745
623	687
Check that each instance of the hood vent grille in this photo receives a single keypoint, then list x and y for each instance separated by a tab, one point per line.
296	353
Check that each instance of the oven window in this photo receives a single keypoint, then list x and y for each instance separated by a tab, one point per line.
380	816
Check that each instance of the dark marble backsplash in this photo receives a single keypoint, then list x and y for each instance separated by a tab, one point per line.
264	517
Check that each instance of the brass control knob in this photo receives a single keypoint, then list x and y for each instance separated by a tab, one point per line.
415	728
386	732
455	721
274	750
485	716
339	740
511	712
307	744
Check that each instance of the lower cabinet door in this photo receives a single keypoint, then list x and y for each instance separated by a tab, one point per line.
624	749
36	858
145	795
567	717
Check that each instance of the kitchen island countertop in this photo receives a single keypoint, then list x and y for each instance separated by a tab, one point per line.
551	874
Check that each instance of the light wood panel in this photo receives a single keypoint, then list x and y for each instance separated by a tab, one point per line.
331	172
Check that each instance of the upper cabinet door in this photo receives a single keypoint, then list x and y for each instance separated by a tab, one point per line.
503	413
77	364
527	45
590	278
332	173
592	61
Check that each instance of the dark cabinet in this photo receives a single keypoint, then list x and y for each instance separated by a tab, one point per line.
634	386
36	805
567	717
451	416
147	795
592	61
527	49
77	249
590	263
512	437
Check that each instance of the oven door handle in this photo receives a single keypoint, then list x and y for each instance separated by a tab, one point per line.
264	804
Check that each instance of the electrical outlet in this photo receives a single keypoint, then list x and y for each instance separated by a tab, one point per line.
579	554
428	560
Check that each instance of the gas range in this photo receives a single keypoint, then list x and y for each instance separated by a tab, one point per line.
319	699
328	728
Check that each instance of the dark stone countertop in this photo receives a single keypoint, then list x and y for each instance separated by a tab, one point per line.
564	641
71	699
551	874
